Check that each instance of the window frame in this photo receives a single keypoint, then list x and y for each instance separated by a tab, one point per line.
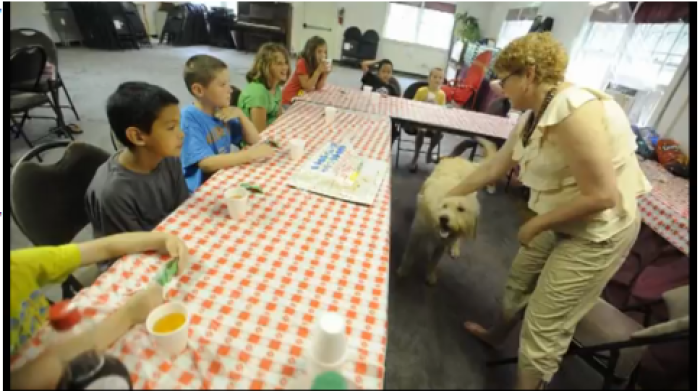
523	14
417	27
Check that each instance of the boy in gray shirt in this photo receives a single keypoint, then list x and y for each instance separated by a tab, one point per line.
143	183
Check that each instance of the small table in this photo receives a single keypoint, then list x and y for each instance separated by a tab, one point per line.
415	113
666	208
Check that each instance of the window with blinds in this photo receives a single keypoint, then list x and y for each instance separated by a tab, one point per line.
423	23
639	49
518	22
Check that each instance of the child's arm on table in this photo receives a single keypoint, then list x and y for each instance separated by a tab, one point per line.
115	246
308	83
215	163
250	131
45	371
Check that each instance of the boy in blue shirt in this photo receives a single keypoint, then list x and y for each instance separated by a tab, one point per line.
211	125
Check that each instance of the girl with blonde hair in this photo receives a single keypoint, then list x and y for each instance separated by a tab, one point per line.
261	99
576	153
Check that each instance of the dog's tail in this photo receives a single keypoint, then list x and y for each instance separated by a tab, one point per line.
490	149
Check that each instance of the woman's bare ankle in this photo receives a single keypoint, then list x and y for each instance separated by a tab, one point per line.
488	336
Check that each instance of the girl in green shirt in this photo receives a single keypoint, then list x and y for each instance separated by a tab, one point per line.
261	99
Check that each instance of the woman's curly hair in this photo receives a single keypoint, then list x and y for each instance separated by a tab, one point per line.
260	71
539	49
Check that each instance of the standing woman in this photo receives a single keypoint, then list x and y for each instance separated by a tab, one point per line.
577	155
261	99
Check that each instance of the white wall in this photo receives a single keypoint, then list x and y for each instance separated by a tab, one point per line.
32	15
674	119
569	18
372	15
147	10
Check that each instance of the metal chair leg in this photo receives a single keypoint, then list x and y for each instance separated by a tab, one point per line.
398	147
59	115
609	377
473	154
20	132
70	101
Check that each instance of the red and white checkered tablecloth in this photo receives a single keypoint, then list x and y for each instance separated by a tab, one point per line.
666	208
411	110
255	286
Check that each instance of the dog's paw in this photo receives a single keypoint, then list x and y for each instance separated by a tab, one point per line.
455	252
431	278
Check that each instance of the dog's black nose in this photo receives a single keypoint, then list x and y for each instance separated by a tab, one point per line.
444	220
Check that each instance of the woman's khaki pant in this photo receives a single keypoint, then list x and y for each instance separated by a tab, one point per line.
557	280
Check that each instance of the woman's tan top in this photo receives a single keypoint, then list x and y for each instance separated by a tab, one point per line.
544	169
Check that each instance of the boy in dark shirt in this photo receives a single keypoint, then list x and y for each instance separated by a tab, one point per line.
381	81
143	183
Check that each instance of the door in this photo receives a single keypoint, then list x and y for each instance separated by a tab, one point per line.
317	18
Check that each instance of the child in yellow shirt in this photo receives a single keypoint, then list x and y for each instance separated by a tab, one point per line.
33	268
431	94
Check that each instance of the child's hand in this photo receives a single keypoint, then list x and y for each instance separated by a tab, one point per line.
176	248
322	67
228	113
143	302
262	151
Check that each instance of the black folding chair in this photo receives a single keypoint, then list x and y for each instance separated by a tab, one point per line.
613	344
27	66
26	37
56	222
410	93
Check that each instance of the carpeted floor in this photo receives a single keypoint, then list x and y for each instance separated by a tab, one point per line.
427	346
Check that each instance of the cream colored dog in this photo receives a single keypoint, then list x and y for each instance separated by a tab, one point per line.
441	223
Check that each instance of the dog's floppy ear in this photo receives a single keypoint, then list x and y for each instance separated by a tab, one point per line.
470	231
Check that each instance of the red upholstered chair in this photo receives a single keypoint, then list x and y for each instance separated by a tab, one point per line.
468	81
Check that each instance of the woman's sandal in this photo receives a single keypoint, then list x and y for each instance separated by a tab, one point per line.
74	129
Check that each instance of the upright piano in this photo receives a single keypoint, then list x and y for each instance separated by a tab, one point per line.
258	23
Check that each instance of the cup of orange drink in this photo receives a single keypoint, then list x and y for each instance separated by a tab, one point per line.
168	325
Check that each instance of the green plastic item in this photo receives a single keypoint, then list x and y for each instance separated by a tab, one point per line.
168	272
330	380
252	188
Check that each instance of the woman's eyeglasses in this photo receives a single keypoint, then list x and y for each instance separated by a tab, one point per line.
502	82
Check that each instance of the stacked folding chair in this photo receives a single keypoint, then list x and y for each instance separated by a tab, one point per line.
111	26
220	27
131	13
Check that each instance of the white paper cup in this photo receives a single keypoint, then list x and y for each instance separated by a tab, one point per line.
296	148
374	98
176	341
236	202
328	341
367	89
330	115
329	62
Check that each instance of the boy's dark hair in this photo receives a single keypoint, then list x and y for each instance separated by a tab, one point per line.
202	69
380	64
136	104
309	53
